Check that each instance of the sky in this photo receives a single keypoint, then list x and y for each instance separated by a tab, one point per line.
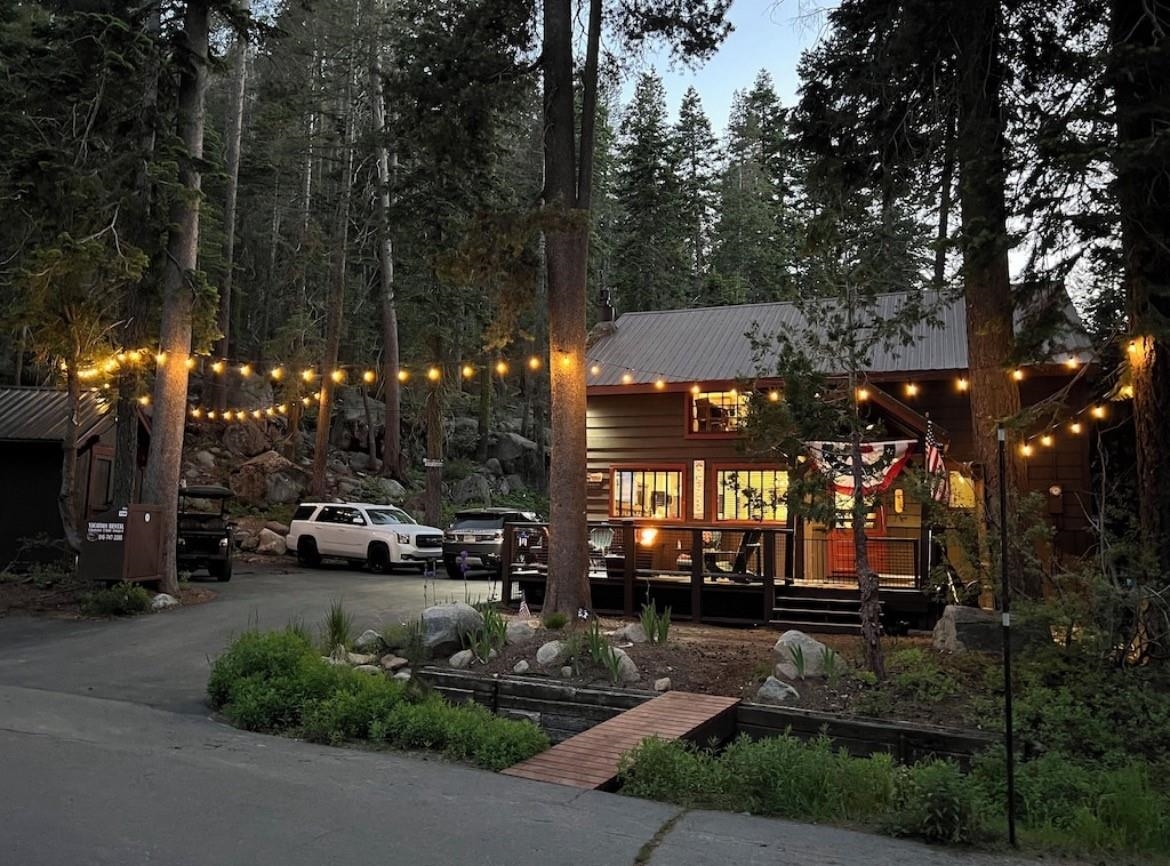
768	34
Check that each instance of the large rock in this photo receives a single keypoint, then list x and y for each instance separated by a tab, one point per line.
627	670
269	479
270	543
519	632
277	527
246	541
162	601
360	461
632	632
473	488
552	653
461	659
360	659
493	467
382	491
203	459
394	663
776	693
246	439
369	641
662	684
968	629
513	451
444	625
462	436
512	484
794	644
521	667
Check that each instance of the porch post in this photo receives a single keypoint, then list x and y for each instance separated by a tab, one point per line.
630	564
769	574
798	542
506	566
697	575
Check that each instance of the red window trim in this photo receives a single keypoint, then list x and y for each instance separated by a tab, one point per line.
684	488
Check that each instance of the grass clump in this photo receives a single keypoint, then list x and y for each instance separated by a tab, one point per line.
655	624
121	599
278	682
555	621
336	628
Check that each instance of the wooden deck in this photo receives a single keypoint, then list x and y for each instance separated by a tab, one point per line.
590	759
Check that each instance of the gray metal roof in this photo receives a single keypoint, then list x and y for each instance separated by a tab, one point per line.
711	343
39	414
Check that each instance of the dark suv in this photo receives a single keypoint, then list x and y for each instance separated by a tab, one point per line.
479	532
205	535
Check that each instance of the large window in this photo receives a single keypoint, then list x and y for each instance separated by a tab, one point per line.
751	494
717	411
653	493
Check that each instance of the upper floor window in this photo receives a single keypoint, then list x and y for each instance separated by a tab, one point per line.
717	411
655	493
751	494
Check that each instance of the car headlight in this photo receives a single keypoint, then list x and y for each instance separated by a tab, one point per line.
223	543
450	536
402	539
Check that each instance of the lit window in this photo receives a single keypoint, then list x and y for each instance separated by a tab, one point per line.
962	491
655	493
751	494
844	509
718	411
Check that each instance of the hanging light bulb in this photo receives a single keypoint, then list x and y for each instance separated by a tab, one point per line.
1097	412
627	378
369	377
468	371
196	412
501	368
277	373
241	415
1018	374
911	389
246	370
305	401
217	367
595	370
210	414
403	375
1046	440
862	395
257	414
534	363
695	389
270	411
160	358
308	375
774	396
1026	450
659	384
282	409
1072	362
144	400
338	376
433	374
962	384
163	357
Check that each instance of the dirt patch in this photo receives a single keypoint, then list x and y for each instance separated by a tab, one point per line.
25	596
922	686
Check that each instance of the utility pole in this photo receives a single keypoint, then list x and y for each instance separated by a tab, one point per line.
1006	610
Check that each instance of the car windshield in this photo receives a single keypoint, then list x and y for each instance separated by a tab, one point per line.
387	516
479	521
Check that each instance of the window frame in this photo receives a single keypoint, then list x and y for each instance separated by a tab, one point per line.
683	489
688	414
714	496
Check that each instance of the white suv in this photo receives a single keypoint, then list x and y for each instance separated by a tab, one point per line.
380	536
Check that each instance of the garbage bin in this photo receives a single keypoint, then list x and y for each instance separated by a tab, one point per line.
123	544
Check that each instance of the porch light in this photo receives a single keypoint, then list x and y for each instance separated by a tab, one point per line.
962	384
468	371
338	376
774	396
369	377
911	389
1026	450
534	363
1097	412
647	536
277	373
217	367
1018	374
246	370
1046	440
1075	427
862	395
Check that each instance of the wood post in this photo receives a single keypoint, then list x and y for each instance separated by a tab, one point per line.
697	575
769	574
630	564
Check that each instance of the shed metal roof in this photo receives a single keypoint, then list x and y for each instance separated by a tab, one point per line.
711	343
39	414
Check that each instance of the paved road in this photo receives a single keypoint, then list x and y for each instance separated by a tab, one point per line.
107	756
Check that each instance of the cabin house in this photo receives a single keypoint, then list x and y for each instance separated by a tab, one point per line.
669	477
32	428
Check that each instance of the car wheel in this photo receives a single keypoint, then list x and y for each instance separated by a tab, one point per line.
452	566
378	559
221	571
307	554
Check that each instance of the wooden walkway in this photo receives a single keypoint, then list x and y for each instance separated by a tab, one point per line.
590	759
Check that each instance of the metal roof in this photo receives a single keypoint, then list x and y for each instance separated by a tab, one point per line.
39	414
711	343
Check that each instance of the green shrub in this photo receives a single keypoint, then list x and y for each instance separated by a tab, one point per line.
121	599
937	803
555	621
348	712
673	772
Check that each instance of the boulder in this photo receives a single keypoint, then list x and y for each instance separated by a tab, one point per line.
521	667
394	663
512	450
269	479
794	644
627	670
360	659
443	627
968	629
662	685
246	540
462	436
382	491
369	641
493	467
632	632
276	526
776	693
403	674
162	601
519	632
360	461
368	669
551	653
271	544
513	484
461	659
473	488
246	439
203	459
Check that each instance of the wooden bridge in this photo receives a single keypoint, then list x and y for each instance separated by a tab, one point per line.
590	759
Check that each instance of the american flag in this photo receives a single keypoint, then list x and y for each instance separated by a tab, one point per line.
936	469
524	611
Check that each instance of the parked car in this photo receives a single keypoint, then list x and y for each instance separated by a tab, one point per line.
479	533
379	536
205	536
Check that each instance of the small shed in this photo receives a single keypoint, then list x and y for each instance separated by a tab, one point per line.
32	428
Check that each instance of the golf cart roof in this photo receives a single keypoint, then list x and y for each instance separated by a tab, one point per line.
206	491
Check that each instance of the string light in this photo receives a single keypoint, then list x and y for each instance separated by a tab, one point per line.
369	377
277	373
246	370
305	401
911	389
196	412
217	367
211	415
1018	374
433	374
403	375
627	378
774	396
1097	412
110	366
695	389
659	384
308	375
338	376
534	363
468	371
1075	427
502	368
1026	450
595	370
282	409
1046	440
144	400
862	395
162	359
1073	362
962	384
1127	392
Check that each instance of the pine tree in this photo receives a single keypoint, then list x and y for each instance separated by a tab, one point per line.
695	156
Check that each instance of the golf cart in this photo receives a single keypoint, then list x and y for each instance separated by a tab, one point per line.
205	534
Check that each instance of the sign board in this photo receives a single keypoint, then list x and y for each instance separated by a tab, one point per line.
433	464
698	489
122	544
595	477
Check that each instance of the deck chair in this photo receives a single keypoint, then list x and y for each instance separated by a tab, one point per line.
749	543
600	541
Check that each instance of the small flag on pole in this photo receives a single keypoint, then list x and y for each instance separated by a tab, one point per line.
936	469
524	611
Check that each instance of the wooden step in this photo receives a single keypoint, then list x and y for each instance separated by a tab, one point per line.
590	759
816	627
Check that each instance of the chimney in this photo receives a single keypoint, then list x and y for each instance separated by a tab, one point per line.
606	313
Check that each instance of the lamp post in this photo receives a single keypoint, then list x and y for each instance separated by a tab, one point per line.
1005	608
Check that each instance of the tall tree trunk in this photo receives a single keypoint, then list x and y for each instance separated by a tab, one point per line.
568	191
867	579
234	135
484	419
67	495
1140	74
392	463
987	287
946	183
161	484
336	302
21	348
433	497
